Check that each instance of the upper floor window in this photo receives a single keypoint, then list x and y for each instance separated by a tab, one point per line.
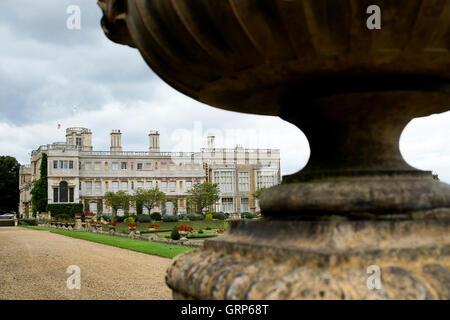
172	185
139	166
115	166
78	141
265	179
164	185
98	187
123	166
55	164
88	187
225	180
124	186
244	181
115	186
188	185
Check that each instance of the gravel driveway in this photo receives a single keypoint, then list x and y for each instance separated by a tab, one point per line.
33	266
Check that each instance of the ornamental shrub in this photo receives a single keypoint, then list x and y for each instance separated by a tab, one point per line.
28	222
247	215
129	219
63	217
143	218
167	218
209	216
219	216
156	216
119	219
200	231
175	235
106	218
195	217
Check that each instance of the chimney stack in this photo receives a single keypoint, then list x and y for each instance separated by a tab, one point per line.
211	139
154	141
116	141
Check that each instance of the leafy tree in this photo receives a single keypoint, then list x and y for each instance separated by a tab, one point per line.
258	192
99	207
436	177
117	200
39	193
9	184
203	195
149	198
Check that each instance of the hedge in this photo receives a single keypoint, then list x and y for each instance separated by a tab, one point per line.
64	208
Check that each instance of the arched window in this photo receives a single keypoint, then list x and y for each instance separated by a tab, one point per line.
63	191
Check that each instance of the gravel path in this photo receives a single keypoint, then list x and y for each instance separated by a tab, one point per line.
33	266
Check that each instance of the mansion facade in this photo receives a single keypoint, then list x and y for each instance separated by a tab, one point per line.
78	174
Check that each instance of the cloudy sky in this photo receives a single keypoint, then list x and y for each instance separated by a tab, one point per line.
51	75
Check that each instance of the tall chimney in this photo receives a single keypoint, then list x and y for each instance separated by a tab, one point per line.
154	141
116	141
211	139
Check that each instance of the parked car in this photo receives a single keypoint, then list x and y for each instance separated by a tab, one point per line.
7	216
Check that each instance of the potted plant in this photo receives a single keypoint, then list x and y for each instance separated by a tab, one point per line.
133	226
153	227
112	227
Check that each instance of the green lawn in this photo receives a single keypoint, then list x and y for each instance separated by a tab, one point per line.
166	226
155	248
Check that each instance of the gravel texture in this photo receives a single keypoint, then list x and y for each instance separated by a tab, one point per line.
33	265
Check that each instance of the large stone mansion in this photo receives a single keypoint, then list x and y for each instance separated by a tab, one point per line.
78	174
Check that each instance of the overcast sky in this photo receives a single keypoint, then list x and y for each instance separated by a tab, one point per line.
47	69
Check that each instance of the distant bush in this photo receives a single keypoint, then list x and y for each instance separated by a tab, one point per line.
119	219
143	218
129	219
195	217
247	215
63	217
182	216
175	235
209	216
156	216
28	222
167	218
200	231
64	208
208	228
106	217
219	216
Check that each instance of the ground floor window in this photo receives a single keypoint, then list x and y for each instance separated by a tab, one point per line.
244	205
63	193
227	205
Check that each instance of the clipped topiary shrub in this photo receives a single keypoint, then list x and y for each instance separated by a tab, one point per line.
195	217
156	216
63	217
119	219
175	235
209	216
167	218
129	219
219	216
143	218
247	215
28	222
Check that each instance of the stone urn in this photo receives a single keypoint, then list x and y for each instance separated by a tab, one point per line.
357	206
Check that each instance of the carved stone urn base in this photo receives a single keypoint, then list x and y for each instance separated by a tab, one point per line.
273	259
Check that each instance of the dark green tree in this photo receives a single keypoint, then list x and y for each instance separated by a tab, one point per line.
436	177
203	195
117	200
39	193
9	184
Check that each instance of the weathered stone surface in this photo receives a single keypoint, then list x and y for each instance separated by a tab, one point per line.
351	91
319	260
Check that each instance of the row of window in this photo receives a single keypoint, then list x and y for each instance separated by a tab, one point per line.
165	186
62	164
139	166
225	179
227	205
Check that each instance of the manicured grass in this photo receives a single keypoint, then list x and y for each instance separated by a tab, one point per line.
155	248
197	225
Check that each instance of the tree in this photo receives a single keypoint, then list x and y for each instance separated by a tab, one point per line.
39	193
203	195
149	198
258	192
435	177
9	184
117	200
